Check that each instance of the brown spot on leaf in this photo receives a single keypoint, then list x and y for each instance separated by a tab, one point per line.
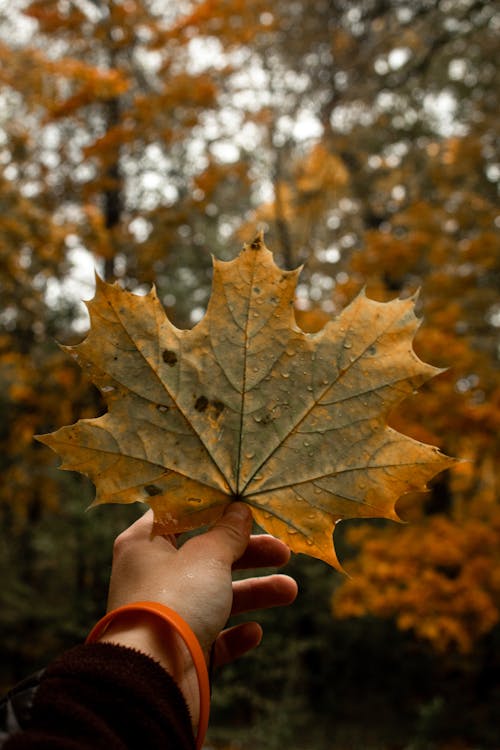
201	403
152	489
169	357
218	408
256	244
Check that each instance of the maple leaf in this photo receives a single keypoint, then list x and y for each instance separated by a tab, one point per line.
247	406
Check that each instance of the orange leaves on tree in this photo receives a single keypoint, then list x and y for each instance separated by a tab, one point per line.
247	406
439	579
322	172
89	84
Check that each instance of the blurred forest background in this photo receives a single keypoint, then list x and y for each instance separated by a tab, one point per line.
362	136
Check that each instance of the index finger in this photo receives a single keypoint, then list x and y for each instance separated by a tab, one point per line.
143	529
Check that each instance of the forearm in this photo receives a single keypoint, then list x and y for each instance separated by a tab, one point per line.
106	697
146	633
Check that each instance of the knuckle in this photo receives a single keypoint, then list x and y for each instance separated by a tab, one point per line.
122	542
233	534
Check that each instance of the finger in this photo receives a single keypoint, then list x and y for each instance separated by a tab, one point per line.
141	531
143	526
236	641
170	538
263	551
227	539
262	593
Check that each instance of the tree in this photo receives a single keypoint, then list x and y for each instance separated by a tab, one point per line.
458	271
362	135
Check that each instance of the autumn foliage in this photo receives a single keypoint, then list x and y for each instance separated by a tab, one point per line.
362	138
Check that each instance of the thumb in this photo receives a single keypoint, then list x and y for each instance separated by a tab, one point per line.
230	535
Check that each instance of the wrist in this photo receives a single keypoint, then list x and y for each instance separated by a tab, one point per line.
157	639
154	643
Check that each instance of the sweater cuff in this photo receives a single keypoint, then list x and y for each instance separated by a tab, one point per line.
110	696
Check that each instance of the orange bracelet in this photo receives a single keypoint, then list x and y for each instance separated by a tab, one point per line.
189	638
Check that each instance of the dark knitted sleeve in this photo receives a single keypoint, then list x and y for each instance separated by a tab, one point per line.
106	697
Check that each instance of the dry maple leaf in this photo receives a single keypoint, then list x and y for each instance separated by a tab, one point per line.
247	406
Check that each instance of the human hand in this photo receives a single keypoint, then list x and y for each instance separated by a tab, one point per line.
195	581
